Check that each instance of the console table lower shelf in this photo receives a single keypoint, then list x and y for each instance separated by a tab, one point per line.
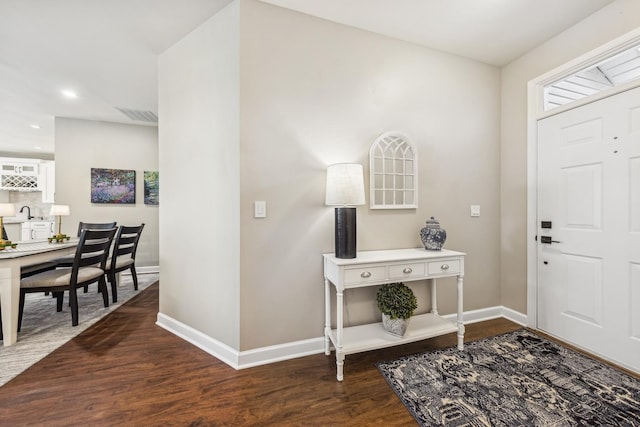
372	336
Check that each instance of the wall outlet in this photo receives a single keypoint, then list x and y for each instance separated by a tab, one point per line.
475	210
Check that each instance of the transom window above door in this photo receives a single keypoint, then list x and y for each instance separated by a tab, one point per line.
623	67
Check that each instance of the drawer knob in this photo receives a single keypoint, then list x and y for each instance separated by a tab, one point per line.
365	274
407	270
444	266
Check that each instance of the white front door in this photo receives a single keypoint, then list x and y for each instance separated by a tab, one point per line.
589	227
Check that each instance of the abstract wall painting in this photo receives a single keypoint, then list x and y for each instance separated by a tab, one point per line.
113	186
151	188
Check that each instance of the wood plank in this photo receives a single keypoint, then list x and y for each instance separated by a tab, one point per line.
126	370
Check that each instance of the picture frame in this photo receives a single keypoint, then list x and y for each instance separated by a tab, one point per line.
151	188
113	186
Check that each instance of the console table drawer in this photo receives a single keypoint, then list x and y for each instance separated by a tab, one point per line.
364	275
405	271
444	267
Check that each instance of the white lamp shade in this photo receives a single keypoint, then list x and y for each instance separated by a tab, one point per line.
7	209
60	210
345	185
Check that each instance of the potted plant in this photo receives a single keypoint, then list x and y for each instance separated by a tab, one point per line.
397	303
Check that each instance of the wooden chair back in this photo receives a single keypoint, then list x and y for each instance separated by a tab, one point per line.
126	243
95	226
93	250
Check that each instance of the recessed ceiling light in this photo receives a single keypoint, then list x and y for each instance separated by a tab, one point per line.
69	94
38	147
34	126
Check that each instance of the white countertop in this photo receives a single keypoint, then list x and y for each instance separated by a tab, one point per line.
21	220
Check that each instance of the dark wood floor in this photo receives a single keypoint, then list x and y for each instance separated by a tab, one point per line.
127	371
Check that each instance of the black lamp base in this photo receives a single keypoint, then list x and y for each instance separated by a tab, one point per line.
345	238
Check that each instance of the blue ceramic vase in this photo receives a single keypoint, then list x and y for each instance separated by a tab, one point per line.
432	236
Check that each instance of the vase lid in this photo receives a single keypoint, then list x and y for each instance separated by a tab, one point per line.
433	223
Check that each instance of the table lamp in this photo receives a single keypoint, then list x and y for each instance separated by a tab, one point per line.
59	211
345	189
6	209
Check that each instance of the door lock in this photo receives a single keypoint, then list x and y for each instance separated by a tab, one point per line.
548	240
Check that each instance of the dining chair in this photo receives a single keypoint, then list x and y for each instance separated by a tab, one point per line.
88	267
123	256
66	261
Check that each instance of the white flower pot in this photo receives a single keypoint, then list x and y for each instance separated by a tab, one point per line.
396	327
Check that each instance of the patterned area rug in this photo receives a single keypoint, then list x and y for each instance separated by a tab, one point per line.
515	379
44	329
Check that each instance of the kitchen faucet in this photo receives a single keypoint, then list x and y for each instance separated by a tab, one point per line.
28	212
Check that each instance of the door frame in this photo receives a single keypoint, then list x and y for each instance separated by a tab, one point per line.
535	112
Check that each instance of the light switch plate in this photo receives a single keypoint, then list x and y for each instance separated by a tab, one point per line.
475	210
259	209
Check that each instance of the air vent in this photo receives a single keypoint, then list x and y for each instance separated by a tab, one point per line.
138	115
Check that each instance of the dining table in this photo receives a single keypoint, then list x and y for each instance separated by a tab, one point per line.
11	261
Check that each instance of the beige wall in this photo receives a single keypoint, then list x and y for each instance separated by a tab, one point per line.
312	93
315	93
199	160
84	144
610	22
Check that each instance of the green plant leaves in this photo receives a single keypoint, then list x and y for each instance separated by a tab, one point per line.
396	300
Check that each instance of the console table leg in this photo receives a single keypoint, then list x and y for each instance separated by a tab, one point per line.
339	365
460	316
434	297
327	317
339	325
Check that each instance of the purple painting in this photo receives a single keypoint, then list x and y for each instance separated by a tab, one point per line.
113	186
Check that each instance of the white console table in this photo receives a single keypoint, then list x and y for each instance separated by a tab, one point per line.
372	268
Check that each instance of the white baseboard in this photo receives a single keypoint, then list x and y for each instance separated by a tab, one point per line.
212	346
241	359
515	316
489	313
276	353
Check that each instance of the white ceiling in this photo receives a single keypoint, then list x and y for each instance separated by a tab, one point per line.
492	31
106	50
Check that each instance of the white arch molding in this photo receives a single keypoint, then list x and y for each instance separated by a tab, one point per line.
393	172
